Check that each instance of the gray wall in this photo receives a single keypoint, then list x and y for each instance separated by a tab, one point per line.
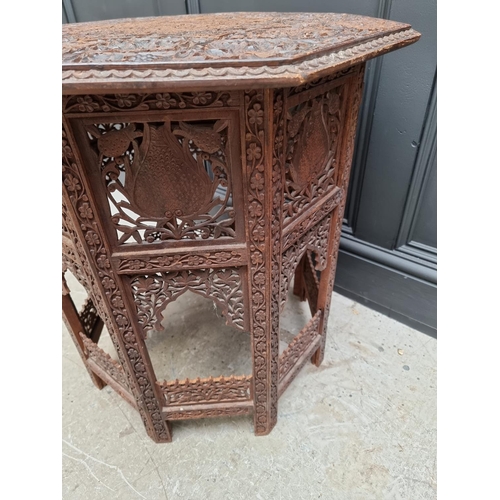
388	250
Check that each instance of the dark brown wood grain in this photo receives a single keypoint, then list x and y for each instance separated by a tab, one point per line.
210	154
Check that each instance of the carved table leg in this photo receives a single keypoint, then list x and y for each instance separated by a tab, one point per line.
347	148
263	118
74	326
111	294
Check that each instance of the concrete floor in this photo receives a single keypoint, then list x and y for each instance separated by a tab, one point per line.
362	426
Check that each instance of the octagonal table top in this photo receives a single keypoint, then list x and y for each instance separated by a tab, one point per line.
237	50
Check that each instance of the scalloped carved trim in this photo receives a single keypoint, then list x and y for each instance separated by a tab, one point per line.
153	292
295	74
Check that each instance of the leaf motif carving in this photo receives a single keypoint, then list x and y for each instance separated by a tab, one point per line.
166	180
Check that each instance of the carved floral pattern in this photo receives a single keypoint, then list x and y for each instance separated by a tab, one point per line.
298	346
145	102
188	414
124	339
167	262
312	146
207	390
165	181
301	225
278	159
153	292
254	146
316	239
237	77
193	41
104	361
71	262
343	181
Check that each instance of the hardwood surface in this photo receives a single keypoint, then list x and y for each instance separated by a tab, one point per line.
227	192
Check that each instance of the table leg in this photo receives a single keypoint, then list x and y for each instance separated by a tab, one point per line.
347	149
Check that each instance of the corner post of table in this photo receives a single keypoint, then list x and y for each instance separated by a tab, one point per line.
108	292
355	91
75	328
262	140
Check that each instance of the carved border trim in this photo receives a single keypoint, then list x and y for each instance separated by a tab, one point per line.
299	345
294	73
102	359
306	221
299	364
232	389
163	101
276	204
152	294
207	411
254	114
315	239
198	259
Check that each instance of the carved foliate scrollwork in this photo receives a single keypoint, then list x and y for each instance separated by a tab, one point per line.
278	160
153	292
237	72
191	260
294	231
188	414
225	39
119	324
104	361
299	345
343	181
207	390
166	181
146	102
264	218
254	147
71	262
316	239
312	143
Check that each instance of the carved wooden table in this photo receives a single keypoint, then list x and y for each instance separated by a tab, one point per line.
212	154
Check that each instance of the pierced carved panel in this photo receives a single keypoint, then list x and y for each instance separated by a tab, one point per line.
89	316
313	129
301	225
207	390
146	102
153	292
166	180
316	239
106	293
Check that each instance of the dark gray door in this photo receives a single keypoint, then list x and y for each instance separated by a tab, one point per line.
388	251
